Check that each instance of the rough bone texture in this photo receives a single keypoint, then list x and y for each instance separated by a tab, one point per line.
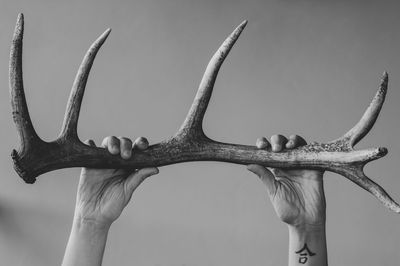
36	156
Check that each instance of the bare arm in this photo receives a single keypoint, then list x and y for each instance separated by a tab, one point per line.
102	196
299	201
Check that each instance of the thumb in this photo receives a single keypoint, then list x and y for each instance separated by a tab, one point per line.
137	177
265	175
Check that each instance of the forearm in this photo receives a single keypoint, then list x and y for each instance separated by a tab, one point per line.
86	244
307	246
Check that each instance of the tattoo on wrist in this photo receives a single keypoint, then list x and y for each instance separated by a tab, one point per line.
304	253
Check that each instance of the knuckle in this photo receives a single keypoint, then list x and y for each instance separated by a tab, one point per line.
124	139
262	143
278	137
143	139
114	140
275	136
141	143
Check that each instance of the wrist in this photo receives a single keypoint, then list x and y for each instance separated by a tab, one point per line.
313	220
306	228
307	234
86	243
307	245
86	219
94	226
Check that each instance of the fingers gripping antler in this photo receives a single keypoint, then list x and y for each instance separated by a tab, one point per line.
190	143
36	156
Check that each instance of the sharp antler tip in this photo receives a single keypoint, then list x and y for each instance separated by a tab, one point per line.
20	21
105	34
100	40
385	76
242	26
19	27
384	83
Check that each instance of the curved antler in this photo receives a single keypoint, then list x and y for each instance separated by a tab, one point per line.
367	121
26	132
70	124
36	157
193	123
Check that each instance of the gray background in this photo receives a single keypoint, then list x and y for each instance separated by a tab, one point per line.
305	67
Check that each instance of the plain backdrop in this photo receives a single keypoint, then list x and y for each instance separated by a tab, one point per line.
304	67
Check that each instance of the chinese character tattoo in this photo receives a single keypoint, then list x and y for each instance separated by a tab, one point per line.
304	253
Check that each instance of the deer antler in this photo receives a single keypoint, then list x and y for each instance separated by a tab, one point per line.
36	156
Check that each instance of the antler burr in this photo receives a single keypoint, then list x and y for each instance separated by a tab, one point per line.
36	156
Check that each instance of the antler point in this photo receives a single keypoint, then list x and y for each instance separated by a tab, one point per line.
107	32
19	27
241	27
103	37
385	75
385	78
190	143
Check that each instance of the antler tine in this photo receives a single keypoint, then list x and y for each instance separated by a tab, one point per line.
69	127
356	175
367	121
189	144
20	111
194	119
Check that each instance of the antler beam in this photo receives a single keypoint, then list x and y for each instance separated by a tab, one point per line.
36	156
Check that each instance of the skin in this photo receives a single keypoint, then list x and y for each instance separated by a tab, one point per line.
102	196
297	196
299	201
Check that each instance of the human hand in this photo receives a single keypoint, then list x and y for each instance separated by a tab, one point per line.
104	193
297	195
